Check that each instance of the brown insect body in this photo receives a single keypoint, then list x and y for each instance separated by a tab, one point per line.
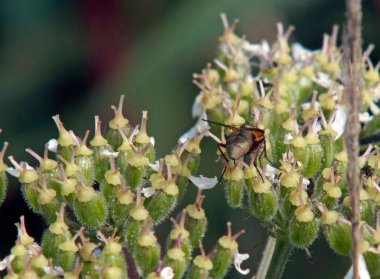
242	142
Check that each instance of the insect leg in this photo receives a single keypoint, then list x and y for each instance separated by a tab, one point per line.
255	165
266	156
220	145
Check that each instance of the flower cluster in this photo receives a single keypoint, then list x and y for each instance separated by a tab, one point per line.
281	113
104	201
290	171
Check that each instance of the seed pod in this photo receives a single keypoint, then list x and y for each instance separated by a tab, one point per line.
163	202
136	168
120	208
88	200
84	160
68	250
137	218
160	206
54	236
196	221
102	150
315	151
300	151
234	185
118	122
125	151
372	261
147	251
176	259
302	233
225	250
327	143
338	236
262	205
111	255
201	266
65	141
142	139
111	183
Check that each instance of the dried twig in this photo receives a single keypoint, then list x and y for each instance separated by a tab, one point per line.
353	92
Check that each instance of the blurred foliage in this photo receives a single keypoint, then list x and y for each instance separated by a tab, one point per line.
50	53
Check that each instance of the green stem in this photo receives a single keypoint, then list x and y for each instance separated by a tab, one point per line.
280	257
266	258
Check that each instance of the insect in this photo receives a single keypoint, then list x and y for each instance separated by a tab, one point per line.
243	142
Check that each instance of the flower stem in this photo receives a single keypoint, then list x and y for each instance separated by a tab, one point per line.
266	258
279	258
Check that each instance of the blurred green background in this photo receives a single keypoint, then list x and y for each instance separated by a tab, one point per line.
75	58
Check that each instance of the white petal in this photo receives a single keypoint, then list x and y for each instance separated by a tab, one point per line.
204	182
323	80
301	53
363	271
287	138
155	166
53	145
305	182
148	191
339	121
13	171
152	141
167	273
364	117
108	153
4	263
238	259
374	108
197	109
200	126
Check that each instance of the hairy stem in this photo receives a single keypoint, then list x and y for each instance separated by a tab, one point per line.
353	91
280	256
266	258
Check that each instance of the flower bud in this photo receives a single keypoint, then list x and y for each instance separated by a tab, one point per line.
66	142
262	205
201	266
303	232
120	208
234	191
147	251
118	122
112	255
88	200
225	250
338	236
196	221
138	216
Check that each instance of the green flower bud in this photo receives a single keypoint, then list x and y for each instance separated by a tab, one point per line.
234	191
68	250
112	255
138	216
303	234
327	143
196	221
225	250
176	259
372	261
118	122
262	205
161	205
88	200
65	140
339	238
315	152
147	251
55	235
120	208
201	266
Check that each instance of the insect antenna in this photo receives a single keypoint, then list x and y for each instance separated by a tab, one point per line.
221	124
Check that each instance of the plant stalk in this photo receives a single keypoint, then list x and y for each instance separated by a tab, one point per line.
275	258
